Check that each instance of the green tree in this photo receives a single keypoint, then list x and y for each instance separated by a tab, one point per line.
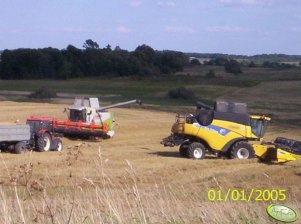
181	93
221	61
90	44
252	64
145	53
195	61
65	71
233	66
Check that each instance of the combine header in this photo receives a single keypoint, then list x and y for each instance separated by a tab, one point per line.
85	119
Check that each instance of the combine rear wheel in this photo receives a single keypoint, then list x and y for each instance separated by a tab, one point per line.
196	150
43	143
242	150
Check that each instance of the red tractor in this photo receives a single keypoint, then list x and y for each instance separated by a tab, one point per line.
42	136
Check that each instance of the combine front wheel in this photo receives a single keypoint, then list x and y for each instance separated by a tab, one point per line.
196	150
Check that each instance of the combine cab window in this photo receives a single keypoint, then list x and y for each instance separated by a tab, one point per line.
77	115
258	127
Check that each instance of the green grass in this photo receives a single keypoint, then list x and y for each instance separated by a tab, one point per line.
151	91
267	91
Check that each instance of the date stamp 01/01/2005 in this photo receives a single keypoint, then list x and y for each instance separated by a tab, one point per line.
248	196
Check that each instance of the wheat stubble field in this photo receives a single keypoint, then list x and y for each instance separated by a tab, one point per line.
132	178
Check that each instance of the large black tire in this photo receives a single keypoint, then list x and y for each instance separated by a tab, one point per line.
196	150
184	149
242	150
43	143
20	148
57	145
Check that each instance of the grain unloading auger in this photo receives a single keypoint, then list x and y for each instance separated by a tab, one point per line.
86	118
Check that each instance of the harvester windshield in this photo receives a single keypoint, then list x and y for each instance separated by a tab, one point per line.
77	115
258	125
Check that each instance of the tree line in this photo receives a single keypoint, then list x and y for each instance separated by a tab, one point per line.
258	59
234	66
91	61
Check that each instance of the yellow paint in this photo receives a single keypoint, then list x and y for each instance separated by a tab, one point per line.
214	139
278	154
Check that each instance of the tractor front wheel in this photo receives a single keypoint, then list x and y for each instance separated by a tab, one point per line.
196	151
43	143
242	150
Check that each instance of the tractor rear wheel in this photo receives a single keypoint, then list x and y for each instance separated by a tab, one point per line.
184	149
43	143
242	150
196	150
20	148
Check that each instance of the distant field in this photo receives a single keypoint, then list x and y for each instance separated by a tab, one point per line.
272	92
152	91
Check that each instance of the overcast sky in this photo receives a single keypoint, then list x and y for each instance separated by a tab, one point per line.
205	26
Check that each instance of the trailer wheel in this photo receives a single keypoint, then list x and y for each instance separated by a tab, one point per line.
57	145
196	150
43	143
20	148
242	150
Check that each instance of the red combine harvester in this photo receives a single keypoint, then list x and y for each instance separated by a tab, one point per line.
85	119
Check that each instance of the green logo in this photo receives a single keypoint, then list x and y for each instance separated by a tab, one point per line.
282	213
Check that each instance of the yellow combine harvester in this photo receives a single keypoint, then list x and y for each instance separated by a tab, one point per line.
227	130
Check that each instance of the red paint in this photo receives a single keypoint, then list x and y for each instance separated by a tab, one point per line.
69	124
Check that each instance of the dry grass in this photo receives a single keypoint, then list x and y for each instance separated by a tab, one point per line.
132	178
